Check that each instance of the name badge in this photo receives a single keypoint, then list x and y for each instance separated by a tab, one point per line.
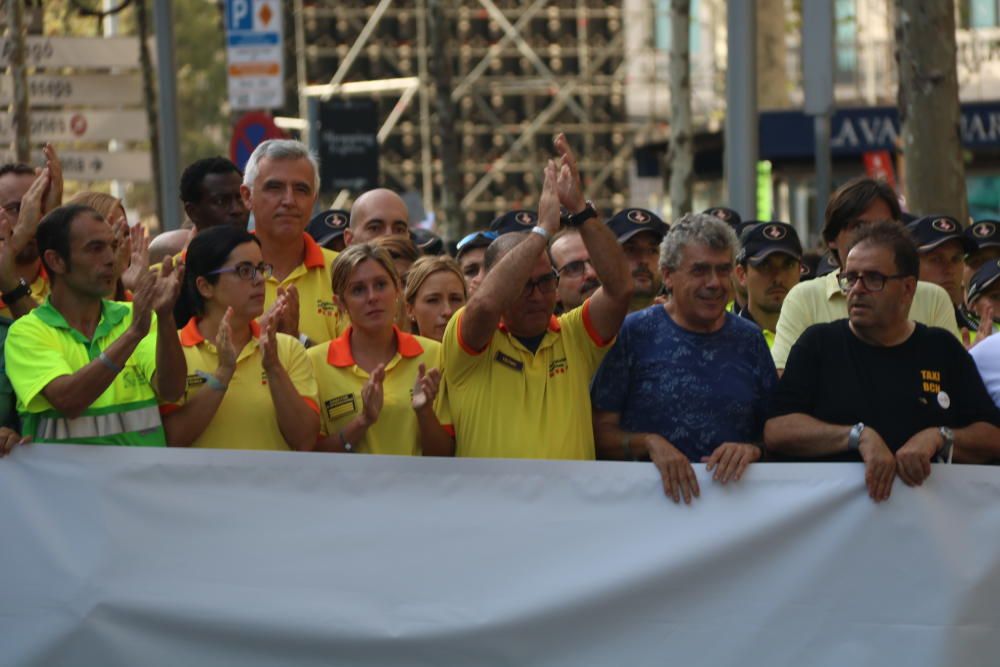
340	406
509	362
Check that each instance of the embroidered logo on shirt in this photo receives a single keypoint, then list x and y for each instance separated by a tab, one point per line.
558	367
340	406
509	362
325	307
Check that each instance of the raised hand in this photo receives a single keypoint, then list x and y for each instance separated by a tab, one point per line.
568	185
138	244
167	287
372	396
31	212
142	302
54	190
122	241
268	341
425	389
548	203
224	345
8	266
289	321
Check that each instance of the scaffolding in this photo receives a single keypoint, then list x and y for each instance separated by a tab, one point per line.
522	72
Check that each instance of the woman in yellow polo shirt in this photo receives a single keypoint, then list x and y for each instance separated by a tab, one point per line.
434	291
377	384
248	387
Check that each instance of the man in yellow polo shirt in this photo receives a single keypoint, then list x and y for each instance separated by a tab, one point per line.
87	370
517	378
280	186
858	202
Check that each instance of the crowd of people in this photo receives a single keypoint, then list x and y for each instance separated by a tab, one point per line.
553	334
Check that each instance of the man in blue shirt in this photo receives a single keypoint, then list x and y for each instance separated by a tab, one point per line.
687	381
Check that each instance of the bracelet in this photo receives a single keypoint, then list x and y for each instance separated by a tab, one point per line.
110	365
212	381
348	447
541	231
305	340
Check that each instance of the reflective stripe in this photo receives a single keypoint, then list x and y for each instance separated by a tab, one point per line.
95	426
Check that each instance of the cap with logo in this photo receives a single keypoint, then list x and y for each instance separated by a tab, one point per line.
987	274
985	233
763	240
427	242
328	225
931	231
727	215
514	221
631	221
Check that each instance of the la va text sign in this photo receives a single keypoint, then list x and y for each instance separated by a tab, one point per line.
81	126
104	90
79	52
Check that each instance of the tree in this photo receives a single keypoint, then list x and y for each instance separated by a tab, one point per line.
681	154
929	113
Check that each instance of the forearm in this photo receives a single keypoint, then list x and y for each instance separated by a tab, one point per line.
74	393
353	433
171	366
505	281
798	434
977	443
434	439
608	259
299	423
186	424
614	443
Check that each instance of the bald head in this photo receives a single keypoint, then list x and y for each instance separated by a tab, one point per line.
168	243
377	213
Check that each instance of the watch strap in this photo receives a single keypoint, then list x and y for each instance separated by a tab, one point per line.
854	438
22	290
577	219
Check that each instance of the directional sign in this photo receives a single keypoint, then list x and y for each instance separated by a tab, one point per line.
93	89
81	126
81	52
132	166
252	129
254	51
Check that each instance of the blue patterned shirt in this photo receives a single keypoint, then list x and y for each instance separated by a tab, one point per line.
696	390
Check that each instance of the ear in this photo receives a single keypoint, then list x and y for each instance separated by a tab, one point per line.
247	196
409	308
55	261
667	282
741	274
834	254
348	237
340	304
205	288
188	206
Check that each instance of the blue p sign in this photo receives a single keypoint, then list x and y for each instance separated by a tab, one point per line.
238	15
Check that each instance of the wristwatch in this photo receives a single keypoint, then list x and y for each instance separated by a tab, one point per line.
22	290
576	219
854	438
944	453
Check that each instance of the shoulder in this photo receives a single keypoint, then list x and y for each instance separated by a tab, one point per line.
931	294
824	332
940	339
29	322
429	345
808	290
741	326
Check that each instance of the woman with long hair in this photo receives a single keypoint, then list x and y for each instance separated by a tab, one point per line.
377	383
249	387
435	290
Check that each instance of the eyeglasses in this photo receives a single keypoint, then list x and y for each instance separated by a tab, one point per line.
489	237
247	271
872	280
576	268
546	284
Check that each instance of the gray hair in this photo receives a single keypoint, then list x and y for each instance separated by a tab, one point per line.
279	149
695	228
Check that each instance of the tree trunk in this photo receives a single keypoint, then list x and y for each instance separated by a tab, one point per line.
772	74
681	154
929	109
19	76
149	95
452	225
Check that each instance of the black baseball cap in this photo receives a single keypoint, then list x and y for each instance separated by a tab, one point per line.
931	231
985	234
987	274
328	225
727	215
514	221
427	242
763	240
631	221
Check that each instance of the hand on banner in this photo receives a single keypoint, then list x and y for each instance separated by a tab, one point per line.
730	460
372	396
9	439
880	464
426	387
913	459
675	469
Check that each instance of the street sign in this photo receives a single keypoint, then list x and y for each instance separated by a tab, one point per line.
84	125
79	52
132	166
348	144
252	129
254	51
90	89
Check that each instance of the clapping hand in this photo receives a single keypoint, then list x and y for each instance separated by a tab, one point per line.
425	389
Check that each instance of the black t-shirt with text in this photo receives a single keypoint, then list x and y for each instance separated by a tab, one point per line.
927	381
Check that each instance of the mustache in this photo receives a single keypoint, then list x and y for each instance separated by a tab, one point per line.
642	272
589	285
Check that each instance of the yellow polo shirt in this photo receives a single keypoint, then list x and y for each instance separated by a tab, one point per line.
39	292
506	402
319	318
340	381
246	418
820	300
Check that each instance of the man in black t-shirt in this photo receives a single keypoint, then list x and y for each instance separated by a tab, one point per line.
879	386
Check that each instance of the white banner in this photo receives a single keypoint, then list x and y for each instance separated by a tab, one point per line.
172	557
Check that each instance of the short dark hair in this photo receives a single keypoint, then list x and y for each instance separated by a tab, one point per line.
195	173
500	246
53	232
18	168
852	199
895	237
207	252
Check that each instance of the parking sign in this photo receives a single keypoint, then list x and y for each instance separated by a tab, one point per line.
254	53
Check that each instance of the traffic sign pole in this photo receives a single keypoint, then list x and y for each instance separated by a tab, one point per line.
167	102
